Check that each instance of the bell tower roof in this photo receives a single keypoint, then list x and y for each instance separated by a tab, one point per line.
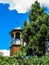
16	29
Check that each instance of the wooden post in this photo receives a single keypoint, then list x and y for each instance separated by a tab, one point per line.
14	35
21	40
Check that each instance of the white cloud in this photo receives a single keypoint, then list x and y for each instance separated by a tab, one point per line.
22	6
5	52
44	2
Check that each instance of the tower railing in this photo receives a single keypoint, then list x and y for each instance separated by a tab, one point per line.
15	42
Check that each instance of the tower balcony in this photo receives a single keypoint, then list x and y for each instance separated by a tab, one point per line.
15	42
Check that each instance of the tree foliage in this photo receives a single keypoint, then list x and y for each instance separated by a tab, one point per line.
36	32
32	60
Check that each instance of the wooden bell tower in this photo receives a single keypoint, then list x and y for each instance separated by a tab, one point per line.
16	40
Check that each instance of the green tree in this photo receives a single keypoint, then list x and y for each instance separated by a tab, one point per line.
36	33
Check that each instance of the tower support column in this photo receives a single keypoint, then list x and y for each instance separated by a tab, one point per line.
14	35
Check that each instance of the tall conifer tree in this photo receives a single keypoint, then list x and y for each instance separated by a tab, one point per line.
36	33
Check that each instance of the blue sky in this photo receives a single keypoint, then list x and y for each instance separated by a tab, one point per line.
8	21
10	14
